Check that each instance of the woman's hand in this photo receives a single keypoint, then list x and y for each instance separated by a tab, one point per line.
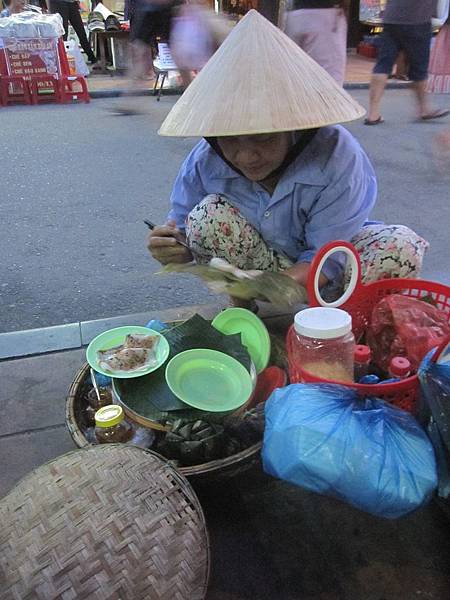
300	273
164	247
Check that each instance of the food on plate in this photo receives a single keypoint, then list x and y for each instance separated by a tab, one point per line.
140	340
135	354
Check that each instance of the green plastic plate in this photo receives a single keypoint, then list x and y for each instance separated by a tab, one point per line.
209	380
254	334
115	337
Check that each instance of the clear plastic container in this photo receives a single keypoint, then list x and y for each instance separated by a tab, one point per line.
110	425
325	344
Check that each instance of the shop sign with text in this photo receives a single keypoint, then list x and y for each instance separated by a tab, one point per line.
34	56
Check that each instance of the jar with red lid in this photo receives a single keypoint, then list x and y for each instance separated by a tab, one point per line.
324	343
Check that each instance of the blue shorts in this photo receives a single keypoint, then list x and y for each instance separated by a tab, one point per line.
415	40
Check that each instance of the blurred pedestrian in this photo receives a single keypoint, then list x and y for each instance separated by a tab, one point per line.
196	33
407	27
319	27
151	20
150	23
439	69
13	7
70	13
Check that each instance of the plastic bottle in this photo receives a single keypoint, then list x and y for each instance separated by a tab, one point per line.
110	425
362	357
72	64
324	344
370	379
399	367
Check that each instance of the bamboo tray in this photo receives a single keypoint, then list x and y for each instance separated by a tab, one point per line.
217	469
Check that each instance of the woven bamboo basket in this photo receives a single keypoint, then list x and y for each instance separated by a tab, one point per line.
213	470
112	522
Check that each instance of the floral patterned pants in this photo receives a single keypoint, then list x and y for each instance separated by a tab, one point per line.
215	228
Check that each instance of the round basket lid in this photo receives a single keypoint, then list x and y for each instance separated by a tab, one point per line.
109	518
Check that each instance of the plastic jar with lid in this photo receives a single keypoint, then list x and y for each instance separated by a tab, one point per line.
110	425
324	344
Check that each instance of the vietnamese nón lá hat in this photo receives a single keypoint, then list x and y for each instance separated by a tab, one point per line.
259	81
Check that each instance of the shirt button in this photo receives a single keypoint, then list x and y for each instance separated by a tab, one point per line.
267	214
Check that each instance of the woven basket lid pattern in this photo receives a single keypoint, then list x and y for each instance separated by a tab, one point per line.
112	522
259	81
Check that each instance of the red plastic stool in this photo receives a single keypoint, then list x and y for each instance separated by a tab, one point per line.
8	90
68	90
51	94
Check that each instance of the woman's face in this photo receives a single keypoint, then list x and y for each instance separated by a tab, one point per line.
256	156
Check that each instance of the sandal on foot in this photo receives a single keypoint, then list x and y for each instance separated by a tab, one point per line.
374	122
436	114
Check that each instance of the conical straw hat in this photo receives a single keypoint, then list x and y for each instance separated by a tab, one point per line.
259	81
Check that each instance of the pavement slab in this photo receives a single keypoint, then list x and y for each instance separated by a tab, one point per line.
22	452
33	391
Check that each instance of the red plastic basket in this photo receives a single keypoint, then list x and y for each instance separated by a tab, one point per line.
359	300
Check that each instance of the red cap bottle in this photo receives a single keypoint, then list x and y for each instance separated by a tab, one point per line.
399	367
362	357
363	354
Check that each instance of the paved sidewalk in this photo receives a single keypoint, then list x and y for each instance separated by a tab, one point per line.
359	70
268	539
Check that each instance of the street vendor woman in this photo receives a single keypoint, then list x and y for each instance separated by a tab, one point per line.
274	177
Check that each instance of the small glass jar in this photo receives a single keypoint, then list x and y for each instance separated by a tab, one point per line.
325	344
105	397
110	425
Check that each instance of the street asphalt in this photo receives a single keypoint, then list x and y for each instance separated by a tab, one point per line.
77	182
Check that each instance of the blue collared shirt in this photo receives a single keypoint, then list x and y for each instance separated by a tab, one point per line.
326	194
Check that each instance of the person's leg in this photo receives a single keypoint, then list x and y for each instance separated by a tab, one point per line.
401	67
389	251
416	41
61	8
376	90
387	55
422	98
426	111
141	65
216	229
77	24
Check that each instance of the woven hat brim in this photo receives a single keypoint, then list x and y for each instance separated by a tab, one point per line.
259	81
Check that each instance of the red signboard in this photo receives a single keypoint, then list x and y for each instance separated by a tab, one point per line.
34	56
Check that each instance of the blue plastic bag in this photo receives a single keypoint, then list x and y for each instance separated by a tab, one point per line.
435	385
328	440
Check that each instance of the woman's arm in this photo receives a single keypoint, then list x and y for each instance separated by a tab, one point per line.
188	189
341	207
